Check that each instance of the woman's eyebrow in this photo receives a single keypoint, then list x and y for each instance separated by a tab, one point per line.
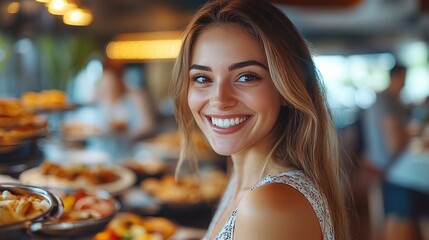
200	67
245	64
231	67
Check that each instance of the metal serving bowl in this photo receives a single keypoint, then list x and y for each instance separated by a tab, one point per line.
77	229
19	230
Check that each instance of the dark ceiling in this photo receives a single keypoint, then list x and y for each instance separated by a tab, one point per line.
353	21
110	16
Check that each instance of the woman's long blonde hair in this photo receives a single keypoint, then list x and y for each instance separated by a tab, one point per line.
305	134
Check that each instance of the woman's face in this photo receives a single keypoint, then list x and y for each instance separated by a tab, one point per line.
231	94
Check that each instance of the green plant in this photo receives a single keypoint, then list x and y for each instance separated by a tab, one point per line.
64	56
5	51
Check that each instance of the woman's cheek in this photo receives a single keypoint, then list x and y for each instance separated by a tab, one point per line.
195	101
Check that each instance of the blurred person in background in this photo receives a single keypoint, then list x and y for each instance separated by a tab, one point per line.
386	136
124	103
245	79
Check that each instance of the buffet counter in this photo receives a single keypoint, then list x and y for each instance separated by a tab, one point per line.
101	185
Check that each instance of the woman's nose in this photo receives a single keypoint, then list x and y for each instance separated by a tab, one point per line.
223	96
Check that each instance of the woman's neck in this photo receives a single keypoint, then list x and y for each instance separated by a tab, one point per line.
251	167
247	170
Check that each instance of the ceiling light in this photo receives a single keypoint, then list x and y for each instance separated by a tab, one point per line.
59	7
144	49
145	46
13	7
78	17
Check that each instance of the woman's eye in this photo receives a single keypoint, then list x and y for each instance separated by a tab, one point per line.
248	78
200	79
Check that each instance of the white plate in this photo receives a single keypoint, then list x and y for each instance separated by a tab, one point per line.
7	179
35	177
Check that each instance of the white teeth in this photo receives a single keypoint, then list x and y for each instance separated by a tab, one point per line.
229	122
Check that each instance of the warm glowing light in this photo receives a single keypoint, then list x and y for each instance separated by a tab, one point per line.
43	1
13	7
59	7
78	17
144	49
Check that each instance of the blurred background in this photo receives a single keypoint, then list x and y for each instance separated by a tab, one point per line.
109	62
62	45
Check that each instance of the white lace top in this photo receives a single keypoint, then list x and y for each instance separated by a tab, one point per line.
295	179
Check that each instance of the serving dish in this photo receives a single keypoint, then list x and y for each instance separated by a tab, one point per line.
166	146
19	229
14	159
80	131
124	179
46	101
127	225
146	168
85	214
186	190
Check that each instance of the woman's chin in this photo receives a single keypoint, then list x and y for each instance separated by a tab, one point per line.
224	150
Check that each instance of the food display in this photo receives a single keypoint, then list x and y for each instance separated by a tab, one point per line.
81	205
65	201
186	190
93	175
46	99
79	131
85	214
24	207
169	144
17	123
131	226
15	208
111	178
146	168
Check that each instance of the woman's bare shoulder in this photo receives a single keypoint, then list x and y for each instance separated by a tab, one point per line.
276	211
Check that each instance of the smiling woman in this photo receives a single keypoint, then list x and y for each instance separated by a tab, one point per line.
236	88
245	79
